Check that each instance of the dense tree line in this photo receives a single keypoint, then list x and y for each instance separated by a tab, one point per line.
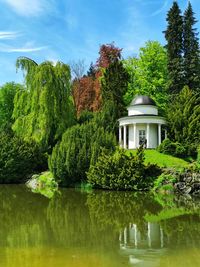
71	121
183	113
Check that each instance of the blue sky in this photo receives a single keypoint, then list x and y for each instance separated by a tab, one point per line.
69	30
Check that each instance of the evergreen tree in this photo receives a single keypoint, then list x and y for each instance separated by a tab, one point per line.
91	72
80	147
174	37
191	50
183	118
114	84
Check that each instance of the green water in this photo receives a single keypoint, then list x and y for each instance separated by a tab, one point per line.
97	229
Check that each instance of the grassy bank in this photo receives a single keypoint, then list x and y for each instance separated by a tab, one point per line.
154	157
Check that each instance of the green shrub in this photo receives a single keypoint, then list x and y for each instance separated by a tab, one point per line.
120	171
164	182
172	148
167	147
44	184
19	159
79	148
85	116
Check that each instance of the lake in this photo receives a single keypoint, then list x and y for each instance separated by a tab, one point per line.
97	229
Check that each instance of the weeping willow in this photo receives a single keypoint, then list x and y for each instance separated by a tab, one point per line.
44	109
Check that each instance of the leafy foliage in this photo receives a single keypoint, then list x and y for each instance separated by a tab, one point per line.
86	94
165	182
7	94
87	89
79	148
44	184
148	74
120	171
44	110
19	159
172	148
108	54
183	117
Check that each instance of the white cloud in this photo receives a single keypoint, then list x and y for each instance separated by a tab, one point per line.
163	7
9	34
28	7
27	48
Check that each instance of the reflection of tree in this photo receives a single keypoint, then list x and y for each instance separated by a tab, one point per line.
70	222
183	231
91	223
21	218
68	217
118	209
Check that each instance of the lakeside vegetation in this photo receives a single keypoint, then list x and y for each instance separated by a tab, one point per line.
70	127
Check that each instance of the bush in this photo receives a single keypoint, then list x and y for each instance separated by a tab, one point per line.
164	182
172	148
19	159
120	171
79	148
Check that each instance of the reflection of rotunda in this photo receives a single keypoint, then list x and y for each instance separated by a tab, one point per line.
152	238
142	125
142	248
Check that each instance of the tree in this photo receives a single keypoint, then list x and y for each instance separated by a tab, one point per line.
191	50
174	37
114	84
92	71
77	68
183	118
119	171
79	148
7	94
87	89
108	54
43	111
84	95
19	159
148	74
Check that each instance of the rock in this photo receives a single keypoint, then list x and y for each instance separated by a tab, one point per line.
181	185
195	188
187	190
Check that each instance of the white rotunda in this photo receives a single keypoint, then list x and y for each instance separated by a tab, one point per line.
142	125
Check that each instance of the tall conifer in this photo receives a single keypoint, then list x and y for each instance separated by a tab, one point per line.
191	50
174	38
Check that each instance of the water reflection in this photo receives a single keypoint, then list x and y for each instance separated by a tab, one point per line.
97	229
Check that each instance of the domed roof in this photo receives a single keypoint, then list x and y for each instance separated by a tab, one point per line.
142	100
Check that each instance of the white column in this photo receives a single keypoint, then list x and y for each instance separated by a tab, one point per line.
165	133
125	236
136	240
161	238
149	235
125	136
120	136
148	145
159	134
134	134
